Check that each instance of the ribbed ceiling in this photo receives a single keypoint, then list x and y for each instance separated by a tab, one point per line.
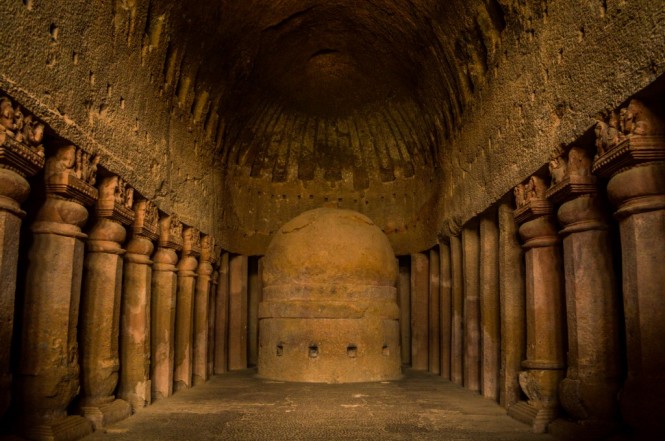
338	96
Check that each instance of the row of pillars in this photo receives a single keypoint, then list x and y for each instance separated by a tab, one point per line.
550	306
114	311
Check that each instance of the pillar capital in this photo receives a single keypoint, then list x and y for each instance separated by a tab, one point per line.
115	201
146	220
170	232
21	135
534	214
191	242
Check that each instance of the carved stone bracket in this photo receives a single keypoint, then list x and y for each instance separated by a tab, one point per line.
170	235
115	200
572	177
531	200
72	174
21	135
208	249
639	138
146	220
191	242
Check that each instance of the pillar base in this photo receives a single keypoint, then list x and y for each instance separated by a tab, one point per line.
536	417
566	430
108	413
69	428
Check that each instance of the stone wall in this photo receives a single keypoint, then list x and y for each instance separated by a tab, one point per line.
561	65
116	79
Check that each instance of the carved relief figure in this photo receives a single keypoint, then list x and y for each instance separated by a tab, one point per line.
151	214
33	134
535	189
519	195
64	161
558	166
176	226
638	119
7	115
579	162
608	134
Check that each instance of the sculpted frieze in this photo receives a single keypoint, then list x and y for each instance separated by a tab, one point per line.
634	135
146	220
71	174
115	201
191	242
570	171
21	136
531	199
170	232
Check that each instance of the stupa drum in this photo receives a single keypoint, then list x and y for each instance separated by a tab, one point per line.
329	311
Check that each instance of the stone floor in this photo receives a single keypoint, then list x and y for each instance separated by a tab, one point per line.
239	406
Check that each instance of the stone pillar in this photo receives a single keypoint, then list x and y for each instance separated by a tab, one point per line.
184	314
100	305
490	320
471	270
419	311
212	308
162	305
456	334
48	371
512	287
434	311
404	298
201	310
590	388
222	317
135	384
18	161
634	160
237	345
254	299
545	360
446	308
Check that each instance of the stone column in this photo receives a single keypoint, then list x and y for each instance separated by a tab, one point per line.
456	333
212	308
201	310
419	311
592	382
490	320
404	298
512	287
48	371
446	308
545	362
18	161
222	317
434	311
254	299
237	345
634	160
135	384
100	305
184	314
471	270
162	306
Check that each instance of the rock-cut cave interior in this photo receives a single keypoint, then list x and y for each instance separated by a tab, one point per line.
340	219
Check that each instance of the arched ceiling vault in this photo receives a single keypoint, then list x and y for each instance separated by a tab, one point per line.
336	100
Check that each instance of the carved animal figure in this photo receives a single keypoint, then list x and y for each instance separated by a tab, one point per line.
579	163
638	119
558	166
7	115
520	195
63	161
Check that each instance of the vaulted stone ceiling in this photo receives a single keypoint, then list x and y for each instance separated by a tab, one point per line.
338	102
